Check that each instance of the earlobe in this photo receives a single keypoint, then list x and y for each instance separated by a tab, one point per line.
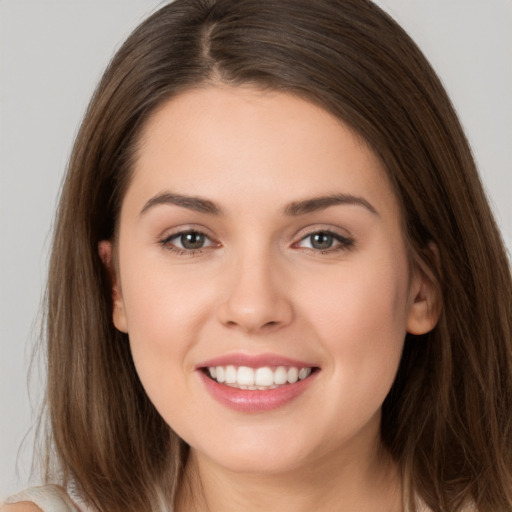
105	251
425	301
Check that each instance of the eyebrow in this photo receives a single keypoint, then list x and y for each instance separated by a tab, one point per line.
293	209
197	204
321	203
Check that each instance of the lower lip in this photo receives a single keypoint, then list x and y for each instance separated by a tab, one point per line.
245	400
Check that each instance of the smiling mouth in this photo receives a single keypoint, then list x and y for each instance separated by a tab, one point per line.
262	378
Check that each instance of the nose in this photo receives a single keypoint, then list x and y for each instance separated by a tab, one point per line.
256	300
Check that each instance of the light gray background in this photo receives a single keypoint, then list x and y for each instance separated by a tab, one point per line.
52	53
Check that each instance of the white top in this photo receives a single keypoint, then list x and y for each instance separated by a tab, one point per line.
52	498
49	498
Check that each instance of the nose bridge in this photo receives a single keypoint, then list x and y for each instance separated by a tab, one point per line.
256	298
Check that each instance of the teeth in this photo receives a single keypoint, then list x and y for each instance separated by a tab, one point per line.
281	375
293	375
262	378
230	374
304	372
245	376
221	377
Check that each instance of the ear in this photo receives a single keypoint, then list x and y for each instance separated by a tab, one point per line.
105	250
425	302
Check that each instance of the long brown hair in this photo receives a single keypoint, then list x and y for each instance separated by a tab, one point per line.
447	420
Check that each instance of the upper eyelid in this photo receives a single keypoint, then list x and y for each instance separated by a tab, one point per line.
327	232
173	236
176	234
315	228
168	243
299	235
190	228
341	239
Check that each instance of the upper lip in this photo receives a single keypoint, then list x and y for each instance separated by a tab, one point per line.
254	361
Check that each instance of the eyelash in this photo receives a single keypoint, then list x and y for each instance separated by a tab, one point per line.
168	244
342	243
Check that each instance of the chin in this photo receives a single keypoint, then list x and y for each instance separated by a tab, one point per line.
261	463
260	451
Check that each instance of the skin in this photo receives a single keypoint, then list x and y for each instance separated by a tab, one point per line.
260	285
23	506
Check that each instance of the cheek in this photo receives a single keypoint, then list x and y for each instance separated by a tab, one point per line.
360	318
164	309
164	312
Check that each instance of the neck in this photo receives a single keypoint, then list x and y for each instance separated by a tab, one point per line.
332	483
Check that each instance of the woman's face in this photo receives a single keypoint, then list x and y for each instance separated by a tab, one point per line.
260	245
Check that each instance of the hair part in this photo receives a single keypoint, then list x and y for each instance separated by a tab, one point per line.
446	420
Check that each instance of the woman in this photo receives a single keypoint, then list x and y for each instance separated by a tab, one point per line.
273	196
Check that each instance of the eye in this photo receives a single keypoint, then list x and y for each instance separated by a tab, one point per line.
189	241
325	241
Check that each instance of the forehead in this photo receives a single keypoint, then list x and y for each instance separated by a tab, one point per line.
215	141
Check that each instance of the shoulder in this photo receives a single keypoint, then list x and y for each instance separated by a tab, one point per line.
47	498
23	506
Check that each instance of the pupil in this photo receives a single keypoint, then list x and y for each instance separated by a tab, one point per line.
321	241
192	240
